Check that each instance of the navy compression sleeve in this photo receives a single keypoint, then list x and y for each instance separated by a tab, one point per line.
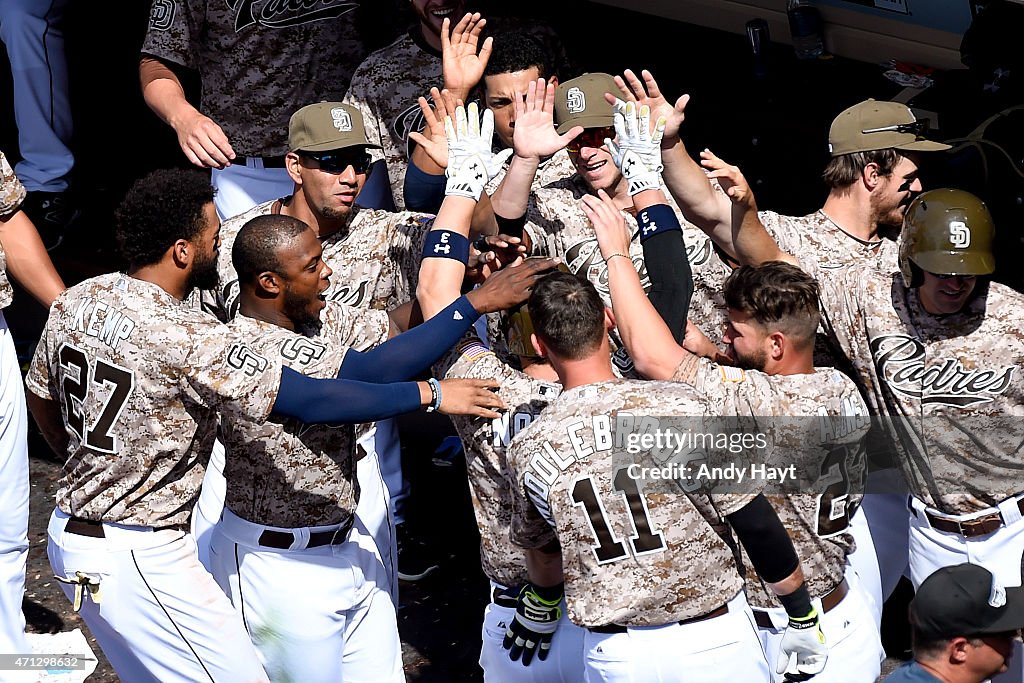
669	270
765	539
423	191
376	192
412	352
318	401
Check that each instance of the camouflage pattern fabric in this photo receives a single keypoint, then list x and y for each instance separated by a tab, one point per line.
951	385
140	377
258	60
12	194
634	552
485	442
384	89
284	473
817	520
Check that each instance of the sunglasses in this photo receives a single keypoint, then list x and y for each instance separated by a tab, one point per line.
591	137
338	161
918	128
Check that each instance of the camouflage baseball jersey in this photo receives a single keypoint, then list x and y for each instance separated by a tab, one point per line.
384	89
12	194
140	377
485	442
559	227
375	259
820	424
284	473
258	60
950	385
635	551
817	238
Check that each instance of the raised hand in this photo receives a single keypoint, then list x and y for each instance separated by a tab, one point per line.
612	234
534	135
471	161
462	64
636	150
648	92
498	251
470	397
433	140
729	177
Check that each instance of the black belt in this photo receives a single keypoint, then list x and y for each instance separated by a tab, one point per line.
84	527
268	162
980	526
94	529
617	628
828	603
282	540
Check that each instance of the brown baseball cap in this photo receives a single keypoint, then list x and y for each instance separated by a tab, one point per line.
580	102
324	126
872	125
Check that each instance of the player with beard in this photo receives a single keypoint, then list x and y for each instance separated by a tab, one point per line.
773	317
127	380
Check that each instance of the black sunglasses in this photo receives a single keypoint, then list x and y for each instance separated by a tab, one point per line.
918	128
338	161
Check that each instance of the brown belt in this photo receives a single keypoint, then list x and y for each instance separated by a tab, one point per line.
617	628
268	162
282	540
970	528
828	602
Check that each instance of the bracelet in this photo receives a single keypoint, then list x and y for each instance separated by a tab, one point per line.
619	253
435	394
446	244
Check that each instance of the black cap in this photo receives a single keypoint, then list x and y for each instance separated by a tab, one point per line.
965	600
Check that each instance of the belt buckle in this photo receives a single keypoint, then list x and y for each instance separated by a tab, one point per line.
980	526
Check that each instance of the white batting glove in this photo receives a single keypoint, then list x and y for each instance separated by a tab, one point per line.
636	151
471	161
804	651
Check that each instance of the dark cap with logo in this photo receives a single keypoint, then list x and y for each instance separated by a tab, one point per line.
580	102
965	600
324	126
872	125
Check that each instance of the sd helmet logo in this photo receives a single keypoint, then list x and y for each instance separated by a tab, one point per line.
959	234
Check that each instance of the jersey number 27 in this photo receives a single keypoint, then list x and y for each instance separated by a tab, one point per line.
77	377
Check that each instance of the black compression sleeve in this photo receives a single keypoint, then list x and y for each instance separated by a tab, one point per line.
669	270
765	540
329	401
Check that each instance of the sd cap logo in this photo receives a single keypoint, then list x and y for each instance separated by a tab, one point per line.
959	234
575	101
342	119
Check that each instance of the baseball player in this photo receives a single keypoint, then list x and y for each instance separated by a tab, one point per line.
276	53
872	177
525	392
557	224
937	347
647	568
33	34
374	256
773	317
30	265
127	380
291	490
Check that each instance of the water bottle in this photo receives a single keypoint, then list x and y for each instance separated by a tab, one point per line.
757	34
805	27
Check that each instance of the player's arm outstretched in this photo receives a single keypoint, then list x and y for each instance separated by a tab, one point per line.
650	333
771	551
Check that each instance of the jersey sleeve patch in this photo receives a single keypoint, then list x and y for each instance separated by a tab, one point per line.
731	374
473	350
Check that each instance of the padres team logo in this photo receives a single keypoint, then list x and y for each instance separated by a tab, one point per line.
959	235
584	258
575	101
278	14
899	361
302	351
241	357
161	16
342	119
